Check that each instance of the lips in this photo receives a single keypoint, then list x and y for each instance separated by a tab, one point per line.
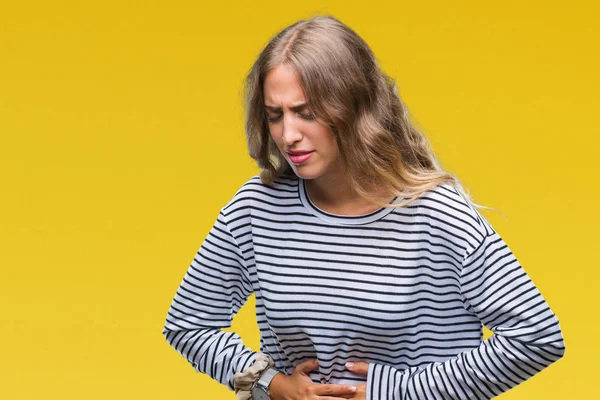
298	157
298	152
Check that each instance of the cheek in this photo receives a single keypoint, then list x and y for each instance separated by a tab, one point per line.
278	142
330	142
275	130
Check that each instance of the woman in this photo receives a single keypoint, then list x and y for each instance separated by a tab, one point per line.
373	270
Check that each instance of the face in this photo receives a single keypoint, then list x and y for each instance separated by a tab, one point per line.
308	146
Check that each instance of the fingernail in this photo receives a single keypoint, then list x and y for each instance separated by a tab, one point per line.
352	388
349	365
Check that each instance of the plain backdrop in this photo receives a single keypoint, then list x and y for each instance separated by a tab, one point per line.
121	137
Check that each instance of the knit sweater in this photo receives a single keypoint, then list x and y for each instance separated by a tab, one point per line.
405	289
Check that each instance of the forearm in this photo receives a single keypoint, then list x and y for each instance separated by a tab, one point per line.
494	367
211	351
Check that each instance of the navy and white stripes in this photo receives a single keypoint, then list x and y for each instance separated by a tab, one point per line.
404	289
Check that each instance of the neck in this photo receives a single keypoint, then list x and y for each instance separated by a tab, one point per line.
334	194
332	189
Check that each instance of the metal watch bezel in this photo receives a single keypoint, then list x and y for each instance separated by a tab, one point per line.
260	390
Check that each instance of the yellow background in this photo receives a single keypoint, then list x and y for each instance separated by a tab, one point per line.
122	136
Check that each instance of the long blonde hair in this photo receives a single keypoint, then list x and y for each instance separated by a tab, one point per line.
357	101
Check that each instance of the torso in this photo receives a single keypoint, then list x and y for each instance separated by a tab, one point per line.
380	286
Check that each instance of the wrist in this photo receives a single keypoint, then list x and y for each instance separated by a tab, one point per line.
253	382
262	387
277	387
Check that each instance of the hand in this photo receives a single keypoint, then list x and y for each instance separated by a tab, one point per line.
299	386
359	368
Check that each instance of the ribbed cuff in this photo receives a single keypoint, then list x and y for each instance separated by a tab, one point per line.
241	364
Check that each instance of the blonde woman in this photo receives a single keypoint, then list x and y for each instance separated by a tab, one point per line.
372	268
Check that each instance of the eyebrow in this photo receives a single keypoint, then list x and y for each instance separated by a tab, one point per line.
294	108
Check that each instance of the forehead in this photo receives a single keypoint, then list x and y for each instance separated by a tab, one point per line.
282	87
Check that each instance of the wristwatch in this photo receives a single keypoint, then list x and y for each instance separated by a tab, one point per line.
260	390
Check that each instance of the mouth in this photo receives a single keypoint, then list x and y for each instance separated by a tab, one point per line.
300	157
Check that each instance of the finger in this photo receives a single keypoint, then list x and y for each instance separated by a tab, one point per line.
334	398
360	394
333	389
361	368
307	366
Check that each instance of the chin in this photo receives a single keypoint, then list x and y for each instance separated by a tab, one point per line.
306	173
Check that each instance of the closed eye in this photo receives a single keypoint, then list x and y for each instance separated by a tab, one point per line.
273	119
308	117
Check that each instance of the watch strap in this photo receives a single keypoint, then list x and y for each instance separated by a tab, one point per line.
266	377
244	381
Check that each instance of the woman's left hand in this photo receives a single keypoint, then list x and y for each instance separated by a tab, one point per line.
359	368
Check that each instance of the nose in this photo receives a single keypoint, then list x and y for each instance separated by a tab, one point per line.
291	133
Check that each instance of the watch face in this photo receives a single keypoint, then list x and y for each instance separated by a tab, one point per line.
258	393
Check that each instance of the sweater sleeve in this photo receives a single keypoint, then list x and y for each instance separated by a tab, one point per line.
527	336
212	291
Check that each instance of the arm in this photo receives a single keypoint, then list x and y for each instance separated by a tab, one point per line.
527	336
214	288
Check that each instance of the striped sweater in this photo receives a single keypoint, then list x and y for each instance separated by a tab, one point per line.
406	290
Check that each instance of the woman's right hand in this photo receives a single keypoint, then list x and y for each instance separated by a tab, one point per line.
299	386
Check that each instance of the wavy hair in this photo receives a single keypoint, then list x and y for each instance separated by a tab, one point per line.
344	86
